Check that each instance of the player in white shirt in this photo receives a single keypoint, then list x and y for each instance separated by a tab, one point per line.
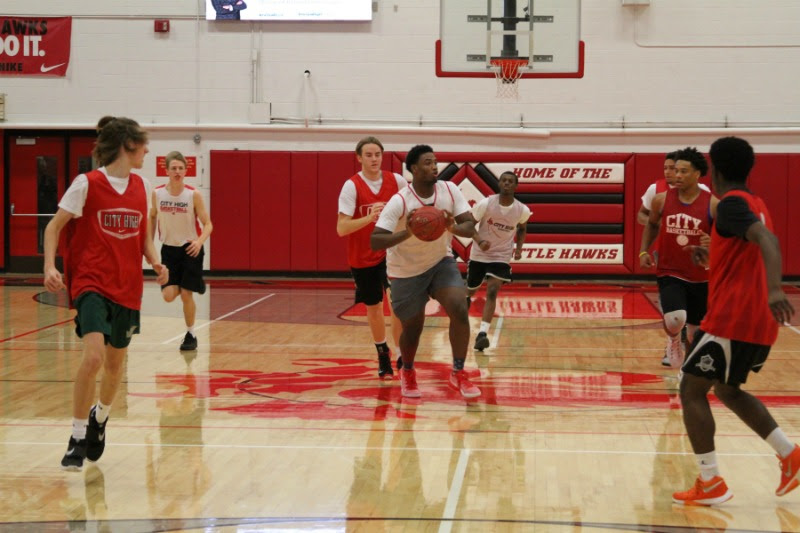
422	269
179	211
501	219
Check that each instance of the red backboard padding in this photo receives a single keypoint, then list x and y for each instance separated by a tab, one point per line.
230	210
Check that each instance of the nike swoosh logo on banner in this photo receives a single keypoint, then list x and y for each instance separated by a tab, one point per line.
712	487
48	69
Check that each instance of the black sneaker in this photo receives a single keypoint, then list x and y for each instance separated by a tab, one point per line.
481	341
76	452
189	342
95	437
385	365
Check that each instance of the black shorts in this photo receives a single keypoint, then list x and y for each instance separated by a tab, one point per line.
371	282
98	314
185	271
725	360
477	272
676	294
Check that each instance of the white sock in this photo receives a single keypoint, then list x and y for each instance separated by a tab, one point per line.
190	330
101	412
79	428
780	442
708	465
485	326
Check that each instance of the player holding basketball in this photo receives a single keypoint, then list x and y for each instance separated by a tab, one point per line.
501	220
746	305
360	203
105	214
680	217
420	269
176	210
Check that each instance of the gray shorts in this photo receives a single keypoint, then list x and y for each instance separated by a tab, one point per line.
410	295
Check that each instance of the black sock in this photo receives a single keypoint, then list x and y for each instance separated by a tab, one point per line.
382	348
458	364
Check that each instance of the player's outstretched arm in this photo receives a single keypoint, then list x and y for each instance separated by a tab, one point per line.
779	304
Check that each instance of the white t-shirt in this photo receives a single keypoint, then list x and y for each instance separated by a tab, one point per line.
497	224
412	257
347	198
650	193
75	197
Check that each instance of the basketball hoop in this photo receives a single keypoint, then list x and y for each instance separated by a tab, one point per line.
508	72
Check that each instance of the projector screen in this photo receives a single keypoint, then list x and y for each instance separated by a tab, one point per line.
360	10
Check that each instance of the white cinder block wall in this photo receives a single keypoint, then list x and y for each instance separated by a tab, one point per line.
683	64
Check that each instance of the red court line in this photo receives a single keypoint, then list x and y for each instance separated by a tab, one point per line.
35	330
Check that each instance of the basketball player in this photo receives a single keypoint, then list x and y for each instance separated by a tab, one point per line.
104	212
660	186
680	216
746	305
501	219
360	203
419	269
178	211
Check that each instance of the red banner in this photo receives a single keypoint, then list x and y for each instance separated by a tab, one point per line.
36	46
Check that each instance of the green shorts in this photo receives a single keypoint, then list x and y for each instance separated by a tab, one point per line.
98	314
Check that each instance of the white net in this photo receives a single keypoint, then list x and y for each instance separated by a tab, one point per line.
507	74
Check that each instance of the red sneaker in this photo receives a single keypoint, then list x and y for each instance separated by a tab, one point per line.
460	382
709	492
790	467
408	383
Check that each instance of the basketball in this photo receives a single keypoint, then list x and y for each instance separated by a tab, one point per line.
427	223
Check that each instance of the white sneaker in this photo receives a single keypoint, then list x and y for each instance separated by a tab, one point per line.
675	352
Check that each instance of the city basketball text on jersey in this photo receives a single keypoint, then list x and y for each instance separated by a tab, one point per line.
683	224
168	206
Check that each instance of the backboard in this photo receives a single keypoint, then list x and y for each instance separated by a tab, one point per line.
544	32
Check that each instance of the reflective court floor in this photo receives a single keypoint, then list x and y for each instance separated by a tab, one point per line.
279	423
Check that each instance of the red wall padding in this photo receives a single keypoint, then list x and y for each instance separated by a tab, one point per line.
303	217
769	179
288	220
230	209
2	202
334	169
270	210
577	213
791	245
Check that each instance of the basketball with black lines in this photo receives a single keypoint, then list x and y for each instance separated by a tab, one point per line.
427	223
